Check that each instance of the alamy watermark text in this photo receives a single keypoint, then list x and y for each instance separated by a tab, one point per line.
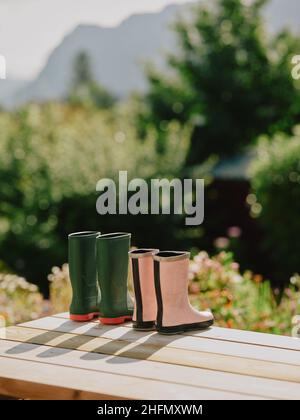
158	196
2	67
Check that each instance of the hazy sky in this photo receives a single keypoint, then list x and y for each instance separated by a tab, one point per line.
30	29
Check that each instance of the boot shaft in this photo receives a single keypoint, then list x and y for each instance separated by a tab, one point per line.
171	284
172	269
145	307
112	267
175	313
83	271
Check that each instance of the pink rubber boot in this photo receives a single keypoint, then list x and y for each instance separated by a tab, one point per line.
145	306
175	313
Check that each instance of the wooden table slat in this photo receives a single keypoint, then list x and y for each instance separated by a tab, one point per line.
228	334
61	378
56	358
164	353
179	341
219	381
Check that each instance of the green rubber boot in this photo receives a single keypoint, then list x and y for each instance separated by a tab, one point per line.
83	276
116	304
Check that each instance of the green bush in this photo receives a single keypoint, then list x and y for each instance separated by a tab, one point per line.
276	186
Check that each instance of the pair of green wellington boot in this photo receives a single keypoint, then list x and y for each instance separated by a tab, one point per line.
98	266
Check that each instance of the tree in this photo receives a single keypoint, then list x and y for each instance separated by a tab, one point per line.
82	70
275	183
230	81
85	90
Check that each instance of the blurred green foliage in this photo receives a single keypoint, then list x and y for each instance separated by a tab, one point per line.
229	84
51	157
243	301
276	202
231	80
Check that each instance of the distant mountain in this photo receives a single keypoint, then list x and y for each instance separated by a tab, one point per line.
117	54
283	14
10	88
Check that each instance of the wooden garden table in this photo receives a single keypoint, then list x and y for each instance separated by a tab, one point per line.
55	358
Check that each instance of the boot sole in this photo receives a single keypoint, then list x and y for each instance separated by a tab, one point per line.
115	321
144	326
177	329
85	317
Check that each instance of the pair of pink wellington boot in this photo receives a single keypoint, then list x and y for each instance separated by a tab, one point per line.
160	281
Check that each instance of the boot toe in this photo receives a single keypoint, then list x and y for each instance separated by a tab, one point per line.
206	316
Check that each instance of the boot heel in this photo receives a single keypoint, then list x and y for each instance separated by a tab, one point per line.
115	321
144	326
84	318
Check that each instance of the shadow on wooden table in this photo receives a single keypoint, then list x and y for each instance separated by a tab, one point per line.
127	348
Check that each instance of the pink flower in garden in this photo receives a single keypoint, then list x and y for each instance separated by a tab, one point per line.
217	267
208	263
221	242
234	232
235	266
194	288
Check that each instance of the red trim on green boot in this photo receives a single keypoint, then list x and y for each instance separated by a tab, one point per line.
85	317
115	321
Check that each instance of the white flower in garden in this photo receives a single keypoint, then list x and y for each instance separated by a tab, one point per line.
194	268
